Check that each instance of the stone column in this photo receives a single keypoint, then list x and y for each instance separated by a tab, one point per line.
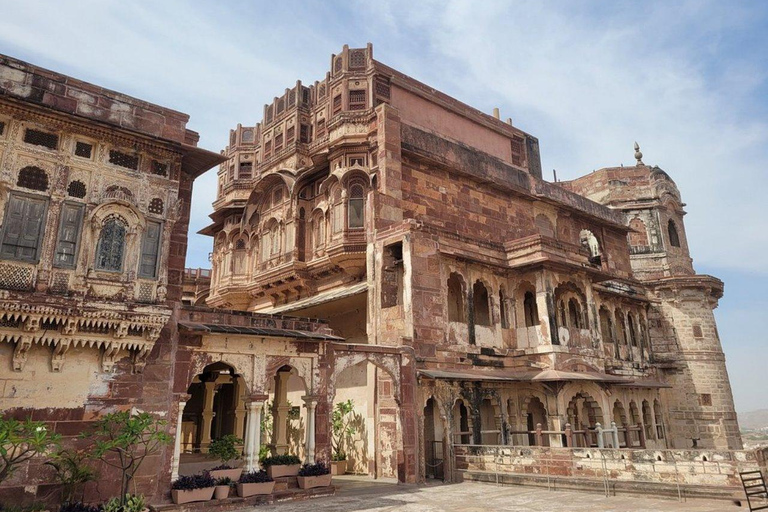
281	413
253	432
240	407
310	402
545	303
205	430
177	441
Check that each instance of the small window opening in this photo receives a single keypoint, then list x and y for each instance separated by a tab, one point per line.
392	276
83	149
40	138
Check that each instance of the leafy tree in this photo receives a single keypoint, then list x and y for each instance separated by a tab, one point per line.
341	422
20	441
123	440
73	472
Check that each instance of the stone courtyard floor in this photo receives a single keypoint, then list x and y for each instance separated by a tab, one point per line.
359	493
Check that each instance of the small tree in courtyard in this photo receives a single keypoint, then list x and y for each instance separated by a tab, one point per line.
20	441
124	439
341	421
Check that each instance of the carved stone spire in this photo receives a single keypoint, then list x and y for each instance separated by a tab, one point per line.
638	154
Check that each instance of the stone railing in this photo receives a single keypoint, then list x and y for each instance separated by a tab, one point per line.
713	473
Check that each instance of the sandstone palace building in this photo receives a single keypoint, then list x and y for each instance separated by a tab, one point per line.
374	240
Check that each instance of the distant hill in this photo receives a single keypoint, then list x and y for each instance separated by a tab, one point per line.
754	419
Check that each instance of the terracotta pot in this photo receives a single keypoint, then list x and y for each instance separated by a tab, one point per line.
338	467
232	474
284	470
188	496
253	489
221	492
308	482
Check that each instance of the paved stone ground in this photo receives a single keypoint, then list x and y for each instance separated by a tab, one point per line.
356	493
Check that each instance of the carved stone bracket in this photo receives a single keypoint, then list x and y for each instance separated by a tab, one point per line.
111	351
21	352
59	351
140	358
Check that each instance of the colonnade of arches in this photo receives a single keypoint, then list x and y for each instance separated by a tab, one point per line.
284	419
574	417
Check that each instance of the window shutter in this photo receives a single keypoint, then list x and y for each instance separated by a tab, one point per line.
150	247
23	228
69	235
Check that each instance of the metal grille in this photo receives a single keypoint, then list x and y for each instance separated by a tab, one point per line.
38	138
2	128
60	283
159	168
304	133
145	292
246	171
83	149
518	150
33	178
156	206
124	159
76	189
357	100
382	87
357	59
14	277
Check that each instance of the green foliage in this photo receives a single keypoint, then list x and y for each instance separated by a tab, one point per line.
124	439
280	460
36	507
20	441
225	481
225	448
264	452
73	472
343	430
130	503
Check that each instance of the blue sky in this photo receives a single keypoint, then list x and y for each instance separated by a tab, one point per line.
687	80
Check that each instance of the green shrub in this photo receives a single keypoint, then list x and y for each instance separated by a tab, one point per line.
281	460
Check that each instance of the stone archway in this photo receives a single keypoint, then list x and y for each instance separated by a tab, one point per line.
435	448
286	424
584	413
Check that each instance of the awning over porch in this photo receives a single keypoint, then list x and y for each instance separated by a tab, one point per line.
254	331
537	376
320	298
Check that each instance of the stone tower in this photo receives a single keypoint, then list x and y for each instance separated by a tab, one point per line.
684	337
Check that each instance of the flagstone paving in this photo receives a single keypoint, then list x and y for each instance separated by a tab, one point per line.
355	493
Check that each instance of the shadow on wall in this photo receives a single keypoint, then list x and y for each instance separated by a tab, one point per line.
356	447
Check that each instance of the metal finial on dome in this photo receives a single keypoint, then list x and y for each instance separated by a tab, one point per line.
638	154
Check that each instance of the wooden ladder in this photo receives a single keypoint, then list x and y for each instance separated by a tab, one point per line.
754	487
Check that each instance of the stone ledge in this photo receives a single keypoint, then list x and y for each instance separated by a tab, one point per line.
237	503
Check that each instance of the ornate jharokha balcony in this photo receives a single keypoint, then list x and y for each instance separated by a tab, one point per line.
537	249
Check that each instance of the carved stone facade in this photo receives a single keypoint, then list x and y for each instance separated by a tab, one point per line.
411	221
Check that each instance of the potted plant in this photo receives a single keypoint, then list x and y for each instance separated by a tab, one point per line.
255	482
130	503
222	488
282	465
225	448
191	488
314	475
341	423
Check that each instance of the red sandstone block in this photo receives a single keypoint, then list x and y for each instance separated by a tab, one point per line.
72	428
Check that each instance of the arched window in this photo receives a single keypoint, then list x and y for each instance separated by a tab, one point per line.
481	304
356	206
33	178
574	314
111	245
456	309
318	231
606	325
674	237
503	313
631	326
239	257
530	310
621	331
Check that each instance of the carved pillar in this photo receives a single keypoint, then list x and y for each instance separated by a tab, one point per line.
205	428
253	432
177	441
310	402
240	408
545	303
281	413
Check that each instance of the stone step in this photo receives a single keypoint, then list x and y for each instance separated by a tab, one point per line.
283	483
